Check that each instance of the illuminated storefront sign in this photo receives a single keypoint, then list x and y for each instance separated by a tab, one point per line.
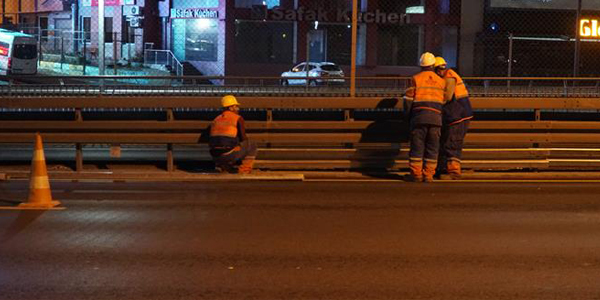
589	28
341	15
193	13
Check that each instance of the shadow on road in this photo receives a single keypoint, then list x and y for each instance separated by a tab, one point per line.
23	220
376	161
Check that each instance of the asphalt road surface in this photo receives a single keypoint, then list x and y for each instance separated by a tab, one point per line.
303	240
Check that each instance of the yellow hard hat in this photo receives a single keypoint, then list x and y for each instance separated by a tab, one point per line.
439	61
427	60
229	100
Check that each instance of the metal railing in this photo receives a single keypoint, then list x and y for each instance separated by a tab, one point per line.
44	86
164	58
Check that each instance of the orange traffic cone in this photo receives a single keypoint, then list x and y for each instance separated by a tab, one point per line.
40	196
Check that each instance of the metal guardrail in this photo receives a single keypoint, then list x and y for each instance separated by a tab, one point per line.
43	86
310	135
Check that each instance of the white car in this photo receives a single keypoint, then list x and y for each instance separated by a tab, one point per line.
323	73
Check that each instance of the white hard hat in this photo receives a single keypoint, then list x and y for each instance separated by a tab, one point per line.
427	60
228	100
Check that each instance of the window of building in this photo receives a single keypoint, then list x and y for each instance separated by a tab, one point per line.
264	42
398	45
44	26
127	32
87	27
403	6
108	30
339	43
201	39
250	3
195	3
445	6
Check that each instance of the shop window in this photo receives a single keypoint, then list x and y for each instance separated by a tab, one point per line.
201	39
398	46
264	42
249	3
403	6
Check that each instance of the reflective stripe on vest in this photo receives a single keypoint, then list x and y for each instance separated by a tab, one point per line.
225	125
429	91
460	91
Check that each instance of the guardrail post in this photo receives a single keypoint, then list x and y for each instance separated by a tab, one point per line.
348	115
170	164
78	157
269	115
78	115
538	114
170	115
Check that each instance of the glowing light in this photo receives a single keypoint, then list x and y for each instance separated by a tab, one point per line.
589	28
203	23
316	25
415	10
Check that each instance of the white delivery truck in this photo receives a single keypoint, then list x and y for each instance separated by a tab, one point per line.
18	53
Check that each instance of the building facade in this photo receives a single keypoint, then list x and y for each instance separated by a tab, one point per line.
265	38
129	26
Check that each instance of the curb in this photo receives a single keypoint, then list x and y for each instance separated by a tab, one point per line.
163	176
299	176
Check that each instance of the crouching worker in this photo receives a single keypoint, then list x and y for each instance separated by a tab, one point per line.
228	143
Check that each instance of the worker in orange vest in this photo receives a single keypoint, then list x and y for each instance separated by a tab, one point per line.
456	116
425	99
228	143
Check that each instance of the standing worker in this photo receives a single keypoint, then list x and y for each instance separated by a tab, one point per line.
424	99
456	116
228	142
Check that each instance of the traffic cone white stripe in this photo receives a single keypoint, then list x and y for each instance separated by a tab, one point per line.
39	182
38	155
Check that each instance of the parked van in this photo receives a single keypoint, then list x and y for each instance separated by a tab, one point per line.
18	53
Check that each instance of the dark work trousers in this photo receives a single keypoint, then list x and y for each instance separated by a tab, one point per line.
236	155
424	142
452	141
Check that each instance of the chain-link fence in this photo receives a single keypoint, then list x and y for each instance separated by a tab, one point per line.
276	38
539	38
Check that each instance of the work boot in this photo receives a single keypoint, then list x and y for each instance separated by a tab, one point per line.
225	168
454	170
246	166
429	170
416	171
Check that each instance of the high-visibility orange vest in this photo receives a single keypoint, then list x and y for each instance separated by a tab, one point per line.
459	109
460	91
225	125
428	92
